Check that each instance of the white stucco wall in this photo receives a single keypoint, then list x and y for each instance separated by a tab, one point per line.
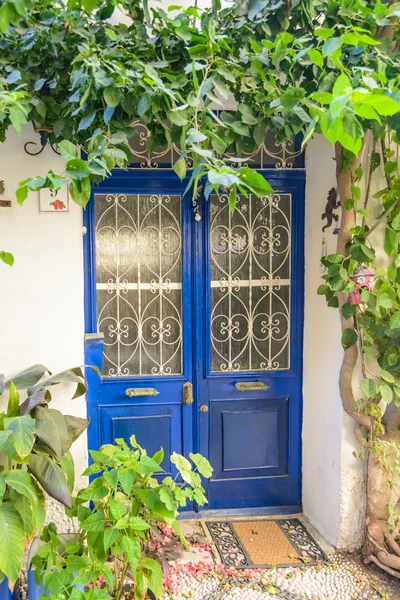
42	320
333	479
41	296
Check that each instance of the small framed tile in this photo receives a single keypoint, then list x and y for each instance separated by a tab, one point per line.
52	201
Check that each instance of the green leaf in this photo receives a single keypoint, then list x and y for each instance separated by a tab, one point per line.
126	479
7	257
232	199
23	435
331	45
138	524
67	465
22	482
151	498
110	537
68	150
255	182
11	542
202	464
33	516
222	178
386	393
147	466
316	57
178	117
13	401
50	477
349	338
80	191
75	426
323	289
395	320
77	168
132	549
390	244
95	491
51	429
154	573
385	301
112	95
167	496
369	387
348	310
387	376
89	5
87	120
384	105
144	104
159	456
180	168
95	522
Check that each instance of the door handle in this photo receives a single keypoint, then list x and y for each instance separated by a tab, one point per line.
251	386
187	393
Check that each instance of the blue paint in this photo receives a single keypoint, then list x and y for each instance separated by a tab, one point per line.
267	475
5	592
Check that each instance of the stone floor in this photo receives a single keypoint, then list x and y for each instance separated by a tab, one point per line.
200	575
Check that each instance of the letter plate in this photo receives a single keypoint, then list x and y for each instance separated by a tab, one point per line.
141	392
251	386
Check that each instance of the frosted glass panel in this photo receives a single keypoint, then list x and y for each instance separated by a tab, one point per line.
139	283
250	283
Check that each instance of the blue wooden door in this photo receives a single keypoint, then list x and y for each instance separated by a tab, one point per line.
202	323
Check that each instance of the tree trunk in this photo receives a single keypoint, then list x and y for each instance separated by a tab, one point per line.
380	545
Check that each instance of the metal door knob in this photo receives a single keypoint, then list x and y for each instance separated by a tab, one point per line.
204	408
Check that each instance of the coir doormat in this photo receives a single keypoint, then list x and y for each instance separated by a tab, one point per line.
265	543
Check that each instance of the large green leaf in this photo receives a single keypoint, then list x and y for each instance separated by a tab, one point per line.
50	477
23	435
32	515
33	399
68	467
11	542
52	429
29	377
21	481
13	401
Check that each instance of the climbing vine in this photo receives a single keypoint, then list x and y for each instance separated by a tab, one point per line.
212	81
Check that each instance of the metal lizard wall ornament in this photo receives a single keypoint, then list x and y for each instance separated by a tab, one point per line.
331	205
4	203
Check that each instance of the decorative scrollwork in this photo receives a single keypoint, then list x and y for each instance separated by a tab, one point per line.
139	283
250	283
270	154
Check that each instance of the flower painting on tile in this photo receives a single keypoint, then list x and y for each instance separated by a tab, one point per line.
54	200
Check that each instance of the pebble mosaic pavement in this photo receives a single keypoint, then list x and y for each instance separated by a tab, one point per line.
200	575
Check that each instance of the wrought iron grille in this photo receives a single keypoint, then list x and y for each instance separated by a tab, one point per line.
269	155
139	283
250	283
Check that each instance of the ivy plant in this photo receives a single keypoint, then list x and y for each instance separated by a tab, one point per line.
118	514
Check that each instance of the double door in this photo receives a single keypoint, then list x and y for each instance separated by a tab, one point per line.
201	312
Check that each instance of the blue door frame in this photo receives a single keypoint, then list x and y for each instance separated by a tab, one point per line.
277	488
